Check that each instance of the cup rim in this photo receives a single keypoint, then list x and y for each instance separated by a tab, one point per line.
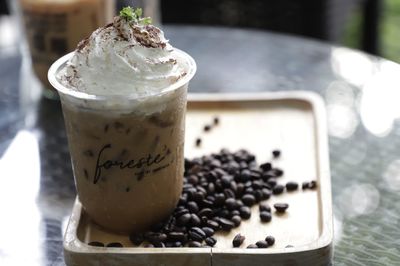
59	63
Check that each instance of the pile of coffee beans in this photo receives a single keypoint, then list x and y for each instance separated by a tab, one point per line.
217	195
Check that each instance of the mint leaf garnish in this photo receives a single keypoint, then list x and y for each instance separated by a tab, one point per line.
146	21
134	15
128	13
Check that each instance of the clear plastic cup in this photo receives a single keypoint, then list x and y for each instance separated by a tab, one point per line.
126	152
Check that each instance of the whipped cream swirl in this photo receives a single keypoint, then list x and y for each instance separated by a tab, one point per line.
123	58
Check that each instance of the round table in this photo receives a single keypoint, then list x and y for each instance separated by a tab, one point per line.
361	94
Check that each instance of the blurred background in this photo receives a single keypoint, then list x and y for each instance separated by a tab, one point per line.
47	29
369	25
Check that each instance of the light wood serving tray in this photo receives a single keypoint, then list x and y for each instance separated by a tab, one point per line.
293	122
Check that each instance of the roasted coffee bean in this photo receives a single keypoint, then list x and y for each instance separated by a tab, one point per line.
235	213
198	142
207	128
210	188
312	185
266	193
243	165
192	206
213	224
267	176
202	190
277	172
176	236
238	240
270	240
230	204
155	238
208	231
223	213
264	207
245	175
239	190
192	179
196	234
248	184
281	207
184	219
210	198
236	220
212	176
266	166
248	200
211	241
292	186
181	211
278	189
114	245
96	244
276	153
136	239
216	120
207	203
250	158
177	244
258	195
252	246
229	193
233	186
245	212
248	190
219	199
305	185
215	164
194	244
226	181
272	182
257	184
226	224
182	199
195	220
262	244
198	196
265	216
207	212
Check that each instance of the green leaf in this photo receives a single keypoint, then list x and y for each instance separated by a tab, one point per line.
134	15
138	12
128	13
146	21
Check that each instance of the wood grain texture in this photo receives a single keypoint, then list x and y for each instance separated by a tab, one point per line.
292	122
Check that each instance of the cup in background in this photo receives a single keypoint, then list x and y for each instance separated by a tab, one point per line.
126	152
54	28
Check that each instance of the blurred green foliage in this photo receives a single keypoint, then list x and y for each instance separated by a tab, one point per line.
389	30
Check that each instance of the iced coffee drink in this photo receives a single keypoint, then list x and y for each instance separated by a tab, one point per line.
123	93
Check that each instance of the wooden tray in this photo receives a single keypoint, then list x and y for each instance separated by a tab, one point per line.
295	123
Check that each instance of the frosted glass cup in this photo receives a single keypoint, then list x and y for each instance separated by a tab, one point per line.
126	151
